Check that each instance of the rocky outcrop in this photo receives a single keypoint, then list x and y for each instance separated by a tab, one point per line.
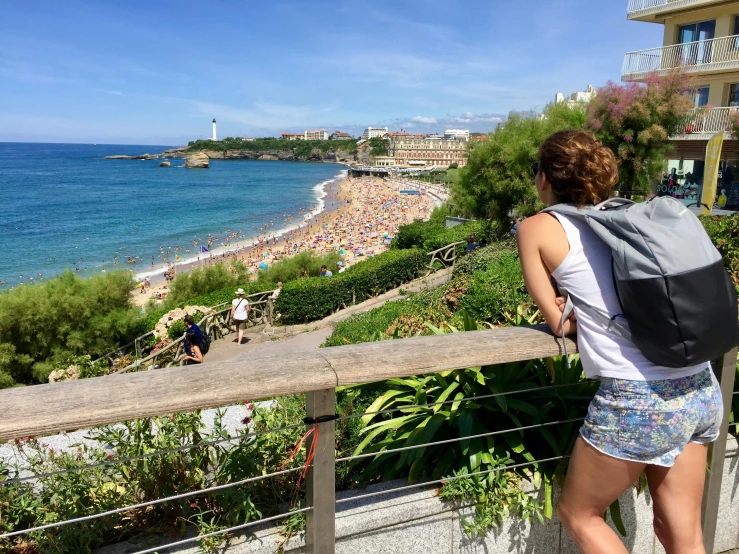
286	154
165	164
198	160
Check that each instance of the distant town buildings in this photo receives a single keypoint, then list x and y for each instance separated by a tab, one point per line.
317	134
374	132
458	134
580	97
293	136
340	135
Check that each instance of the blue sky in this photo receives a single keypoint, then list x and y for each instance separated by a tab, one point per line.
158	72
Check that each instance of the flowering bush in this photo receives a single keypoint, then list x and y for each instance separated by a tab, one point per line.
636	120
161	330
79	367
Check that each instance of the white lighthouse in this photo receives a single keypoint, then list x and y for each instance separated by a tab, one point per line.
215	137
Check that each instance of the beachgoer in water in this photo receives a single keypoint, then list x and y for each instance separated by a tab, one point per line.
644	417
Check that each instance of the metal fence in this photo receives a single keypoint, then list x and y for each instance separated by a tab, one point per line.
44	409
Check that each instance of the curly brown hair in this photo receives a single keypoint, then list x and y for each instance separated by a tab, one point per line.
578	166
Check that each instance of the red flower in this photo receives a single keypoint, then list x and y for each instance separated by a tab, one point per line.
246	420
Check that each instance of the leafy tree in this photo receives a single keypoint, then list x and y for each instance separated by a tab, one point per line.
497	178
636	120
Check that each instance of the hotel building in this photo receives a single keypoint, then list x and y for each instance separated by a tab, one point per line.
417	150
702	38
292	136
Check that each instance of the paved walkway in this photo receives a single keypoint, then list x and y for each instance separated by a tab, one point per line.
299	338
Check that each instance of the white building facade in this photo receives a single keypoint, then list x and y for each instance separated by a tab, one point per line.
579	97
374	132
457	134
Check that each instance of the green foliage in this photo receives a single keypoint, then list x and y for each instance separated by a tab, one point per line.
483	258
495	294
368	326
378	146
452	165
636	120
289	269
724	233
497	496
459	419
310	299
177	329
300	148
201	281
497	178
433	234
43	324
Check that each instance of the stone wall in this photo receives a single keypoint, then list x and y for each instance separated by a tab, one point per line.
417	522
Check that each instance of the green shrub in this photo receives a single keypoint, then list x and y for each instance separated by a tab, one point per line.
43	324
200	281
310	299
482	258
177	329
495	294
724	232
369	326
6	381
481	229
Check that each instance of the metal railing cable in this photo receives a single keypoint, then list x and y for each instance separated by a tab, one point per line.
149	503
221	532
459	439
467	398
452	478
114	461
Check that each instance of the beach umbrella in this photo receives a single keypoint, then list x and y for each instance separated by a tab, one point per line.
342	251
263	266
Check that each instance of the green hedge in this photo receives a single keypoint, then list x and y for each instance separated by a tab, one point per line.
314	298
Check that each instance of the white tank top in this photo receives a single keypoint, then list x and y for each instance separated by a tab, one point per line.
586	272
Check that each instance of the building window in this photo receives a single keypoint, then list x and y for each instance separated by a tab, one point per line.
734	95
699	53
701	96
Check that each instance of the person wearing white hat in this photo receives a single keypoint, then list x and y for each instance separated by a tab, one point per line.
240	314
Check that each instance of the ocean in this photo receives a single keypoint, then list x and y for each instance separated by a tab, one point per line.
64	206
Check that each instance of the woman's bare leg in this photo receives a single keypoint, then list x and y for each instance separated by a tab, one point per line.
677	493
594	481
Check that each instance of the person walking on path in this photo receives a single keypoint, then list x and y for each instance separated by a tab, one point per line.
644	417
240	314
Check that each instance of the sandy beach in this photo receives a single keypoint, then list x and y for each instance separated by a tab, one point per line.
360	216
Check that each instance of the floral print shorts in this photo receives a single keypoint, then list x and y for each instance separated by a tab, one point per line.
653	421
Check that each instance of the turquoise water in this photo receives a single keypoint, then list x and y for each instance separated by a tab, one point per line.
64	206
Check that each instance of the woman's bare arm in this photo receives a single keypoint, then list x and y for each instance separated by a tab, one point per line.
542	247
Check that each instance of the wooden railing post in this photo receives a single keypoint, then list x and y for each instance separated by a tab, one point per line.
725	370
320	522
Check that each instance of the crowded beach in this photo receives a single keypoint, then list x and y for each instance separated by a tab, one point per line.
363	214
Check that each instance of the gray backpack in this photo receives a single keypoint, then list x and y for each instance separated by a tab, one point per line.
676	297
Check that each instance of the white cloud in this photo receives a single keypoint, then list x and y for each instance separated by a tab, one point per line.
428	120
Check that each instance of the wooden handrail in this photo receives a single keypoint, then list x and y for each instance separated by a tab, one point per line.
52	408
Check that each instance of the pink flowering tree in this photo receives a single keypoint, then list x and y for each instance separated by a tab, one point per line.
636	120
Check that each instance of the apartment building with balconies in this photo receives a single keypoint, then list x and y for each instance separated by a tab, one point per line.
701	37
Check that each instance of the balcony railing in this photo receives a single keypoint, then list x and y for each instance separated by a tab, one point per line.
718	54
703	124
53	408
645	8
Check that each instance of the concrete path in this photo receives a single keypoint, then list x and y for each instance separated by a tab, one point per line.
299	338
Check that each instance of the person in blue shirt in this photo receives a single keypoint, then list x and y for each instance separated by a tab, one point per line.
193	342
471	243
